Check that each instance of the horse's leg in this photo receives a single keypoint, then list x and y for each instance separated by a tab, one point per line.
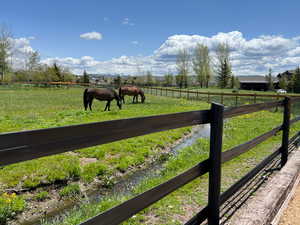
106	106
91	103
123	98
133	99
137	98
109	105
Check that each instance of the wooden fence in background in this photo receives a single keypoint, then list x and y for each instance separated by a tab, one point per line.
26	145
208	96
172	92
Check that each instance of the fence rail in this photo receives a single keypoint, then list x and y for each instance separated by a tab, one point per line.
188	94
26	145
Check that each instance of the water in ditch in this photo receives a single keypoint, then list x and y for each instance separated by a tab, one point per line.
125	186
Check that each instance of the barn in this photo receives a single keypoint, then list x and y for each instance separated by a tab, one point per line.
256	82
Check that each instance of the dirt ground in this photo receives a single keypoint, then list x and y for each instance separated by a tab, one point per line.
291	215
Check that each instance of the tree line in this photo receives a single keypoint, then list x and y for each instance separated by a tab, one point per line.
32	70
205	67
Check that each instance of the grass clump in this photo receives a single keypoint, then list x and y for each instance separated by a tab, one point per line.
70	191
41	196
47	170
10	204
91	170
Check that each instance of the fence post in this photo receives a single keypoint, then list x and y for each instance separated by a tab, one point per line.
161	91
277	98
180	93
236	100
254	98
188	96
156	91
222	98
215	153
197	95
285	130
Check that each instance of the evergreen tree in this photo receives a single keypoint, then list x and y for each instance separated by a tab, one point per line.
57	72
85	77
223	74
233	82
297	80
223	66
283	84
270	80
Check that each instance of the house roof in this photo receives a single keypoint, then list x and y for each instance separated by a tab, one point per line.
255	79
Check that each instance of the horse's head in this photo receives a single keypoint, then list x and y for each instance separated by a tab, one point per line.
143	96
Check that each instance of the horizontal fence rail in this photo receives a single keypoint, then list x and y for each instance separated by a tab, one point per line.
246	109
219	93
26	145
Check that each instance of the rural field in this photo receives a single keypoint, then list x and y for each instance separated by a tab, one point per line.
29	186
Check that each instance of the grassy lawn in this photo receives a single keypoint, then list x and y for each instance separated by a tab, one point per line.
33	108
182	204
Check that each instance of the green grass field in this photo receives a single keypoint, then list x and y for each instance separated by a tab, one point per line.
182	204
32	108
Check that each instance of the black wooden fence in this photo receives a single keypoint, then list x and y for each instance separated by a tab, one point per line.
20	146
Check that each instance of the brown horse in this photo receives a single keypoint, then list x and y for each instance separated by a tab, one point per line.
131	91
103	94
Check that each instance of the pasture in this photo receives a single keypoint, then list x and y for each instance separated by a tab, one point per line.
33	108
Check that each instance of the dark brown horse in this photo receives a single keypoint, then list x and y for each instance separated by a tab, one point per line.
131	91
103	94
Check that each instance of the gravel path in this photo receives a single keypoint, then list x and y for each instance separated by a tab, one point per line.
291	215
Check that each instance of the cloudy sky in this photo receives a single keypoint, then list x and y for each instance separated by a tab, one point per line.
131	37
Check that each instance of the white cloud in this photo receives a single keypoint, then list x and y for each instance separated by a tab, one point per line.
91	36
20	50
105	18
126	21
135	42
294	52
249	56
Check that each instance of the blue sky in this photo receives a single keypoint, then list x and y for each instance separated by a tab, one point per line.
136	30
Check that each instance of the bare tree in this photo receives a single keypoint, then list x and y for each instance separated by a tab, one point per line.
201	65
223	66
33	61
183	64
5	47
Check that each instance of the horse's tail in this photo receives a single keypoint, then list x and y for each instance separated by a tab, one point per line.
120	92
85	98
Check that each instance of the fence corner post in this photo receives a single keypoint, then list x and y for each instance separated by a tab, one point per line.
216	134
285	130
